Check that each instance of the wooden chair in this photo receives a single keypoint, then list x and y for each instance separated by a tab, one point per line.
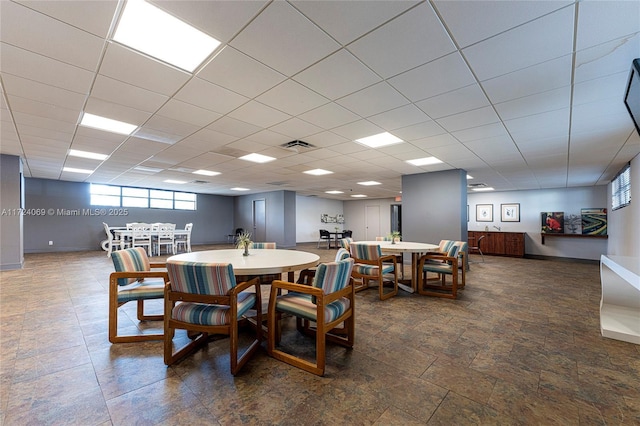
204	298
134	281
443	265
370	264
328	302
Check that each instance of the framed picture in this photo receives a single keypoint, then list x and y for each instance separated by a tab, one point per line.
510	212
484	212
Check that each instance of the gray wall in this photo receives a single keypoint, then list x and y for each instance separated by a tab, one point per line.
280	209
624	223
212	220
11	220
434	206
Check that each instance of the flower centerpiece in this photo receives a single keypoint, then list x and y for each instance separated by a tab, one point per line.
243	242
395	237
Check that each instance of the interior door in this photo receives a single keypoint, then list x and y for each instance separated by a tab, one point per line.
259	221
372	223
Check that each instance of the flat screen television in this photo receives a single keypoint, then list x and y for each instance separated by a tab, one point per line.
632	95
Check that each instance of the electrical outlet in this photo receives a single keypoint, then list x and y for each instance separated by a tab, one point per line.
50	243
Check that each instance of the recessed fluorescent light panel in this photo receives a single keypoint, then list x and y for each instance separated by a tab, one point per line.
318	172
156	33
206	173
379	140
488	188
469	177
147	169
369	183
87	154
426	161
239	189
257	158
74	170
107	124
334	192
178	182
359	196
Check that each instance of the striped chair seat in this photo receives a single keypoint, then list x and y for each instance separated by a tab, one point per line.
372	269
150	288
204	314
301	305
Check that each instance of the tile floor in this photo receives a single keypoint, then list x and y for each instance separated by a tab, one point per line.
521	346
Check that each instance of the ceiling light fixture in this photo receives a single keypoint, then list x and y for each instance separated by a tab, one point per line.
359	196
156	33
334	192
87	154
206	173
469	177
488	188
239	189
107	124
178	182
74	170
379	140
369	183
256	158
147	169
426	161
318	172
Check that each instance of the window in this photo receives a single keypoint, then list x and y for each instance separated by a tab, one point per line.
621	189
117	196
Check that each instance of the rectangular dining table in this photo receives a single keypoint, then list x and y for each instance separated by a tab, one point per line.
416	250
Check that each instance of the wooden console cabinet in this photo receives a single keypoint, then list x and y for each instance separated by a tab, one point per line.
499	243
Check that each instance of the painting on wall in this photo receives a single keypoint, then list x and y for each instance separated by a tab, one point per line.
552	222
510	212
594	221
325	218
572	224
484	212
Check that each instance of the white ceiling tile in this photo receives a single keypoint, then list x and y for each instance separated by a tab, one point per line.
43	110
429	143
259	114
357	130
296	128
338	75
48	36
283	39
605	88
188	113
373	100
418	131
607	58
456	101
473	21
528	81
400	45
118	112
540	126
480	132
233	127
45	70
399	117
242	74
141	70
591	14
538	41
117	92
535	104
468	119
210	96
329	116
346	21
43	93
292	97
437	77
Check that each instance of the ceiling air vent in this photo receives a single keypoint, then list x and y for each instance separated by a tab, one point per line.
199	182
298	146
476	185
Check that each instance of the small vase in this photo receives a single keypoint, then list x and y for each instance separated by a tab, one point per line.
393	241
246	250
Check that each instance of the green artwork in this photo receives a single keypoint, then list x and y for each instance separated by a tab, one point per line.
594	221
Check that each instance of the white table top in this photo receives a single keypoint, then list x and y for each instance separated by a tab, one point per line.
259	261
402	246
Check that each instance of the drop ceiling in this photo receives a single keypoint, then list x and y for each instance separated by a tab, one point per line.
520	94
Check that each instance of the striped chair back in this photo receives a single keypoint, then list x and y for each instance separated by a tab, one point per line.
130	260
333	276
342	254
201	278
263	245
365	251
345	242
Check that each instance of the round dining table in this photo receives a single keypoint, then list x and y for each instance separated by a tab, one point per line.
416	249
259	261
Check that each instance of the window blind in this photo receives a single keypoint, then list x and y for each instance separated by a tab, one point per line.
621	188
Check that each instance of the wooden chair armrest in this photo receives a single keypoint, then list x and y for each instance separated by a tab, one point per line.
298	288
157	265
388	257
246	284
140	274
